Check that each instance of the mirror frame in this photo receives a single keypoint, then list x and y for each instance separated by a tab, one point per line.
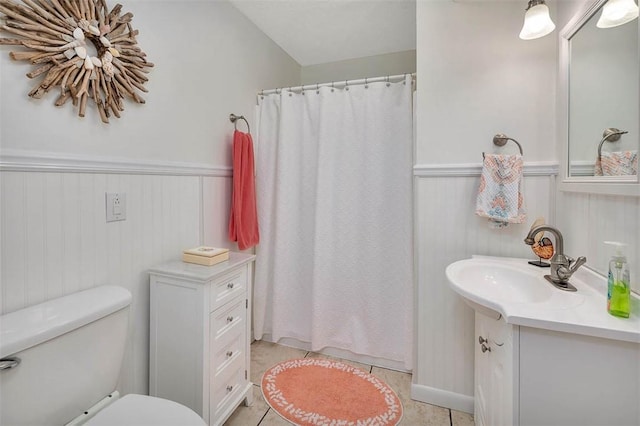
601	185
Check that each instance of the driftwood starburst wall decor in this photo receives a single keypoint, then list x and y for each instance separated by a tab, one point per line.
79	47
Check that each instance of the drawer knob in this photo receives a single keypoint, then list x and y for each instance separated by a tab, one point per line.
229	354
482	340
229	388
485	348
229	319
230	285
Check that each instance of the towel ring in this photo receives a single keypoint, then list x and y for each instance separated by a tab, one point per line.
610	134
234	118
501	140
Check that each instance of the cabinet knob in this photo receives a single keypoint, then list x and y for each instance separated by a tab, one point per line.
229	388
230	285
9	363
229	353
229	318
482	340
485	348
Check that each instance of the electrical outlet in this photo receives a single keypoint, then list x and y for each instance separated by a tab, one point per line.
116	206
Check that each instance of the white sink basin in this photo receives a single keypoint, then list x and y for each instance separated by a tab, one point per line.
498	281
513	289
509	286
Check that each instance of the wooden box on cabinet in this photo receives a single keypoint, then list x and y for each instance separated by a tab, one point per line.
200	335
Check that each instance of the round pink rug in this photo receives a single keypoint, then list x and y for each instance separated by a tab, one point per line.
314	391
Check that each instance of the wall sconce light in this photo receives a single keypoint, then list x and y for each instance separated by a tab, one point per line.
537	22
617	12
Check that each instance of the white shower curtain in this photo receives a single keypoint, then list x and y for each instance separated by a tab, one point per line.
334	190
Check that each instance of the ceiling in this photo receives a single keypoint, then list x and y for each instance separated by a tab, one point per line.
319	31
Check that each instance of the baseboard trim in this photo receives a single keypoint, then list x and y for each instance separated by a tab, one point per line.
27	161
442	398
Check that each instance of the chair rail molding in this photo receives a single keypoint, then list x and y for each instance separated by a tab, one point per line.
31	161
475	169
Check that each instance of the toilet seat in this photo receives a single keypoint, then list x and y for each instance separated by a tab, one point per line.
142	410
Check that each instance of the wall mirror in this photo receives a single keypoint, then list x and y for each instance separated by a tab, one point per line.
601	103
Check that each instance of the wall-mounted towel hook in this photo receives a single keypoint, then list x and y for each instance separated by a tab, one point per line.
501	140
234	118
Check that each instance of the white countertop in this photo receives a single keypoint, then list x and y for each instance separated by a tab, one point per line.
201	273
582	312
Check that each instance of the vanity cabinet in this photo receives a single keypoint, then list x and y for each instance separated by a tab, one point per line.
200	335
494	375
532	376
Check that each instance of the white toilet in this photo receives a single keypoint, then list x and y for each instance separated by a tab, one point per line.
60	361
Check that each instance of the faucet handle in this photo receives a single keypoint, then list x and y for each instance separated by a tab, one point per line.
565	271
578	263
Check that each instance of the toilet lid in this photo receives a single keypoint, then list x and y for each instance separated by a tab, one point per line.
142	410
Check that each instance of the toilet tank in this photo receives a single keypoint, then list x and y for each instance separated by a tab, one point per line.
70	349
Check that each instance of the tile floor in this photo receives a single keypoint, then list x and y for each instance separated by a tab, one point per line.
265	354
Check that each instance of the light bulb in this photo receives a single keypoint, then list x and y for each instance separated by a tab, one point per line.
537	22
617	12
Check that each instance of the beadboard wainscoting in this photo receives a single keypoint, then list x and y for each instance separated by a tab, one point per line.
587	220
55	239
446	230
216	206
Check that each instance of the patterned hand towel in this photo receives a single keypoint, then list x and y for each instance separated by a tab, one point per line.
619	163
500	193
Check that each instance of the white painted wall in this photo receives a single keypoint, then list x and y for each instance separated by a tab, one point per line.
475	78
353	69
210	61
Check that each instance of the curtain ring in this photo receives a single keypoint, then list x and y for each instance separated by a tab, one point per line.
332	86
388	84
366	83
346	85
289	89
317	89
405	80
262	93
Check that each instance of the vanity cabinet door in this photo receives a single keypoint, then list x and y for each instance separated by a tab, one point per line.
494	378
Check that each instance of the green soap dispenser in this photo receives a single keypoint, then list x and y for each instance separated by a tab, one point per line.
619	291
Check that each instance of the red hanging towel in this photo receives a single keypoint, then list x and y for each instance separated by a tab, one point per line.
243	223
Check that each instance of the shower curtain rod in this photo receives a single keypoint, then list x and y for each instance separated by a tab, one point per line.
341	83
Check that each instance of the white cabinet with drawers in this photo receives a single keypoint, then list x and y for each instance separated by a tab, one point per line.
200	335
